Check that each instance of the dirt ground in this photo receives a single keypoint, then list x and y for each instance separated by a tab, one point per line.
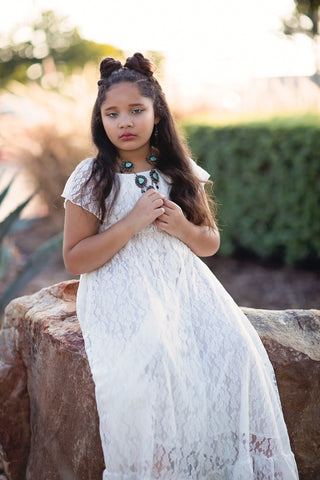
249	283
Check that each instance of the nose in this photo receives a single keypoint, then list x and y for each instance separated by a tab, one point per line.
125	121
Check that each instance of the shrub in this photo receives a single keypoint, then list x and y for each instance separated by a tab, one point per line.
267	185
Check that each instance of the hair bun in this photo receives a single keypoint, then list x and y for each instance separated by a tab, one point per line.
140	64
109	65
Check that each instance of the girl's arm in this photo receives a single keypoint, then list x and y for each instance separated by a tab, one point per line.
84	249
204	241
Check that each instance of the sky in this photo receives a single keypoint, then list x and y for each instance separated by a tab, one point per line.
204	41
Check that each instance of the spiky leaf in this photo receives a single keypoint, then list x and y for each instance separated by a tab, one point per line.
39	260
6	255
5	191
9	221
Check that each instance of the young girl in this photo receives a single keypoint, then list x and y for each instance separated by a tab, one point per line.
184	387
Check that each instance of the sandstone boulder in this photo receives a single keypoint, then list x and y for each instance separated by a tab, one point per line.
49	422
292	340
48	418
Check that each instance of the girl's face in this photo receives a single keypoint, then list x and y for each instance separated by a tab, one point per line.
128	119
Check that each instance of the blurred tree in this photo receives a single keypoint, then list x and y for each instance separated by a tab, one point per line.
47	51
305	20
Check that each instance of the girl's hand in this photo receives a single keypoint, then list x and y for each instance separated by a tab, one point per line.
149	207
204	241
85	249
172	220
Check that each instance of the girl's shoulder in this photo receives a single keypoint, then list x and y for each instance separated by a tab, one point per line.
198	171
79	191
80	174
83	169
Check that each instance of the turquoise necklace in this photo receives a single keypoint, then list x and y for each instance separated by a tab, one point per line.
141	180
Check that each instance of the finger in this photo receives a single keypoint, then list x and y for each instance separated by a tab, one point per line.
150	193
152	198
153	191
159	211
161	224
157	202
160	197
154	195
170	204
170	212
164	210
162	218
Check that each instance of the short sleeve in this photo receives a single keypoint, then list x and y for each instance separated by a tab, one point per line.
78	192
199	172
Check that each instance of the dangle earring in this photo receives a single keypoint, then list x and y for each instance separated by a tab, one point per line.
152	159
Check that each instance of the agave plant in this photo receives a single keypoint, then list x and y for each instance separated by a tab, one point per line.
40	259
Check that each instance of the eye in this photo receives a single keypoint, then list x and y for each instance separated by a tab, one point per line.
135	111
112	114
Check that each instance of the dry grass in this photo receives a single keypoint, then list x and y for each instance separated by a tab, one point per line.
48	133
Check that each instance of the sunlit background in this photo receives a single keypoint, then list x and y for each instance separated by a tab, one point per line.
216	53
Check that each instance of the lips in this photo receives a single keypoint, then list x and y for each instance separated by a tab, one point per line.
127	136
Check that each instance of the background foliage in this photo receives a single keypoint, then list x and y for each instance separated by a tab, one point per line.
267	184
48	51
305	20
304	9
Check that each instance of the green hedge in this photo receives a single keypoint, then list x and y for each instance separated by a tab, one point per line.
267	185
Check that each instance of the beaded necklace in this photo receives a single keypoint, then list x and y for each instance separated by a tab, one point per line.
141	180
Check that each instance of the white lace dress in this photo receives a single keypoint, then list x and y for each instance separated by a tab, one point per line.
184	387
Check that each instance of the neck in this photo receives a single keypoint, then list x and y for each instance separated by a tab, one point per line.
140	165
138	157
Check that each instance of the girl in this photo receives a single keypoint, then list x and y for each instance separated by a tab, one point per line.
184	387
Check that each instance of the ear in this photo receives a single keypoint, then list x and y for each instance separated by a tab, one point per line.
156	120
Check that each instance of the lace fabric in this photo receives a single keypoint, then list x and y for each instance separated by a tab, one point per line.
184	387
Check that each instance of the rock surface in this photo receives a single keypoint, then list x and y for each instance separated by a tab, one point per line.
292	340
48	418
48	422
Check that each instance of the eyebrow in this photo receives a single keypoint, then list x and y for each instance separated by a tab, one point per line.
131	105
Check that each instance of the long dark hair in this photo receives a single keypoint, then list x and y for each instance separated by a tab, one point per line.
173	160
